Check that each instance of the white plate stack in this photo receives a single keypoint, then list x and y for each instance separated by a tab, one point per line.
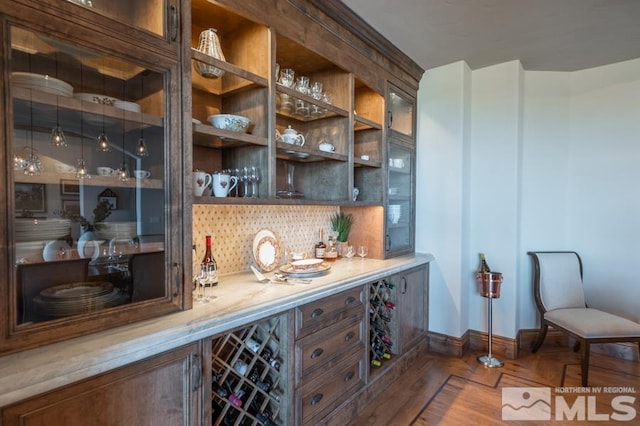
42	229
395	211
117	230
77	298
41	83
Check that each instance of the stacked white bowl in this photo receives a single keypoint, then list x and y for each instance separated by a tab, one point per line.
395	211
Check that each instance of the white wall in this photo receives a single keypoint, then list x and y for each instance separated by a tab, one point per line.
556	155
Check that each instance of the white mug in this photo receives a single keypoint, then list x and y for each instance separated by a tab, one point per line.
105	171
141	174
223	184
201	180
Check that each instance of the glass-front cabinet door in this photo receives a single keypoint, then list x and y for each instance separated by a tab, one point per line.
399	214
401	109
90	135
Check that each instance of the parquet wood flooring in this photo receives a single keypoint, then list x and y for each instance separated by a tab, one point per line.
442	390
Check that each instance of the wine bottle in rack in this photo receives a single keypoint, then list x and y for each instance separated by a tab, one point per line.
217	387
236	398
267	355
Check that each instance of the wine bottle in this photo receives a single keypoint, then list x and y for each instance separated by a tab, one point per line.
484	267
209	264
320	246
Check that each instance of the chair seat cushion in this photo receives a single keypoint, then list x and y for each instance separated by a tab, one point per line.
592	323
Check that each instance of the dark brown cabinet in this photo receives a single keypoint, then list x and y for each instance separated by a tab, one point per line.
161	390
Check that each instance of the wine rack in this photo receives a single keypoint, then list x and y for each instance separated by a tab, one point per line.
382	298
247	384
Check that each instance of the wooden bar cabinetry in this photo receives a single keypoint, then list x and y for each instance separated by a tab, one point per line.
163	390
85	241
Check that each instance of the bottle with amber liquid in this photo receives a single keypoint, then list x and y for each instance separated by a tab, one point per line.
320	247
208	266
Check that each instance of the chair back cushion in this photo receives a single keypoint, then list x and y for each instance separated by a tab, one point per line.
560	281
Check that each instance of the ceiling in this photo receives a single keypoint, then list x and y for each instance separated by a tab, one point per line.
548	35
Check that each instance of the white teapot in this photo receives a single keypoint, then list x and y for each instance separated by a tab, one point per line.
290	136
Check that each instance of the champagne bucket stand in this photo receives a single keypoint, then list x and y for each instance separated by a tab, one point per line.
489	286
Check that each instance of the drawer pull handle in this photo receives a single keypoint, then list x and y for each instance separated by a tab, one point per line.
316	353
348	376
317	312
349	300
350	335
316	399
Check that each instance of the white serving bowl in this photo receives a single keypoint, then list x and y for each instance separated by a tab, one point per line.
230	122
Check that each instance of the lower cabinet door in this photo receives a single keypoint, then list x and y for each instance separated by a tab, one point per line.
161	390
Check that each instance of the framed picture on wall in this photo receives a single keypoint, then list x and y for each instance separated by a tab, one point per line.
71	206
31	197
110	197
69	187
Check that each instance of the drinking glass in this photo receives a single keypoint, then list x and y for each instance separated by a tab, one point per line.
316	90
202	282
302	84
287	76
349	251
236	173
255	179
362	252
246	176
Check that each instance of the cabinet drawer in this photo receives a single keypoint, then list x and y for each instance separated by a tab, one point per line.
322	313
321	396
320	351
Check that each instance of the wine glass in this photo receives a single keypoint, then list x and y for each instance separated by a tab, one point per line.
201	282
349	252
362	252
255	178
246	175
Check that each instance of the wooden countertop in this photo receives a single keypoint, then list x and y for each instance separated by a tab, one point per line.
240	300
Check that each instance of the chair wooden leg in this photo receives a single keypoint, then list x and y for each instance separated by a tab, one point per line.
541	335
585	362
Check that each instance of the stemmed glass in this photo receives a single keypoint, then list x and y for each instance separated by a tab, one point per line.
349	251
362	252
255	179
246	175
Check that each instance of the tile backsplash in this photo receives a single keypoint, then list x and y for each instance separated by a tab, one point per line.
233	228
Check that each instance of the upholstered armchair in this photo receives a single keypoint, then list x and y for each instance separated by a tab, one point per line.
559	295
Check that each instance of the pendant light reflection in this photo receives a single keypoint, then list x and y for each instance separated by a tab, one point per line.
57	138
33	165
81	171
103	144
141	149
122	172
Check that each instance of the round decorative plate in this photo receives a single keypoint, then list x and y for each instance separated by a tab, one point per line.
266	250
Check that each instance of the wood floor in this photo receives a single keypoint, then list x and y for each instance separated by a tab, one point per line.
441	390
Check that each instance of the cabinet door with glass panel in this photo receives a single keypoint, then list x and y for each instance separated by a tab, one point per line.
92	179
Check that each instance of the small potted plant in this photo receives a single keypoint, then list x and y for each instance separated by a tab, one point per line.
341	223
100	213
